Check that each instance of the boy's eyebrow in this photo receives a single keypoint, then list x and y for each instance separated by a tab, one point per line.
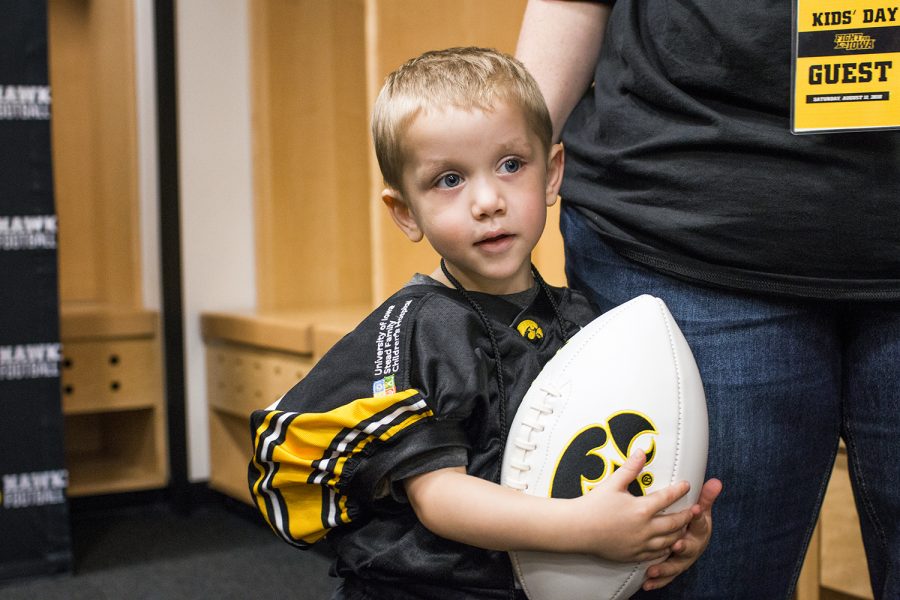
514	144
520	146
438	164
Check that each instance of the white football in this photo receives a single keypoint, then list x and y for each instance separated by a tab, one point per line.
627	380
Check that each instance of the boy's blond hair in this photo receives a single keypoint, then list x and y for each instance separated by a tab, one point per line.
464	78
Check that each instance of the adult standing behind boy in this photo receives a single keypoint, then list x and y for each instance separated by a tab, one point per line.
392	445
779	256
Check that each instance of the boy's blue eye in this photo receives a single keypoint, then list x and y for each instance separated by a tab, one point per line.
450	180
512	165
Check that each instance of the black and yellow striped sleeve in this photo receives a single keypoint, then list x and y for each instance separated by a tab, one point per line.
302	460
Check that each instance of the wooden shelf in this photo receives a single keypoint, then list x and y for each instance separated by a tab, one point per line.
252	359
112	399
92	320
111	359
241	379
92	72
93	476
230	454
303	331
112	392
117	451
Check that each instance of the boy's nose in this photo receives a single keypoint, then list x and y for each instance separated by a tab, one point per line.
488	200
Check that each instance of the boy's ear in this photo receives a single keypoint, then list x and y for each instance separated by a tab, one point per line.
555	165
402	214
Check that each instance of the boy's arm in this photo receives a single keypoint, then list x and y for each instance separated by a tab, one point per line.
559	43
607	522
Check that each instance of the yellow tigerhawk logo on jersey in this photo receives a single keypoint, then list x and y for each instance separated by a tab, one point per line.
530	330
588	457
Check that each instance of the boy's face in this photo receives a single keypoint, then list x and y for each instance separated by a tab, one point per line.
477	185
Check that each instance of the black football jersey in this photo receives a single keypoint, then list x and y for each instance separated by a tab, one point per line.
412	389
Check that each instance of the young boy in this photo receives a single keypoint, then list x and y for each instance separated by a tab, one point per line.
392	445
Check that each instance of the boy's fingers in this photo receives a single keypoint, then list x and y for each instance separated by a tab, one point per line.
667	568
675	564
655	584
653	555
663	572
673	525
666	496
667	541
629	471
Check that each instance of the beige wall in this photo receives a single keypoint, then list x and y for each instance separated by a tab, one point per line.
216	188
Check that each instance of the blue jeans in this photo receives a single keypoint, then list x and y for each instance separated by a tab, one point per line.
784	379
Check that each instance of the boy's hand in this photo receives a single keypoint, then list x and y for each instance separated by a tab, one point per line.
689	548
618	526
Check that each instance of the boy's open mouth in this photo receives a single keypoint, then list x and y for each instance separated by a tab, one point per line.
494	239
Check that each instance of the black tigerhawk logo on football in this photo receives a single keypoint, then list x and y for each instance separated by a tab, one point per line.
584	462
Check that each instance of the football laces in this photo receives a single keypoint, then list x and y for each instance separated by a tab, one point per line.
529	427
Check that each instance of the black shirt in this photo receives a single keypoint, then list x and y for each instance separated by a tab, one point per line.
413	388
681	156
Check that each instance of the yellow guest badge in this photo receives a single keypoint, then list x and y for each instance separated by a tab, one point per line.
846	65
